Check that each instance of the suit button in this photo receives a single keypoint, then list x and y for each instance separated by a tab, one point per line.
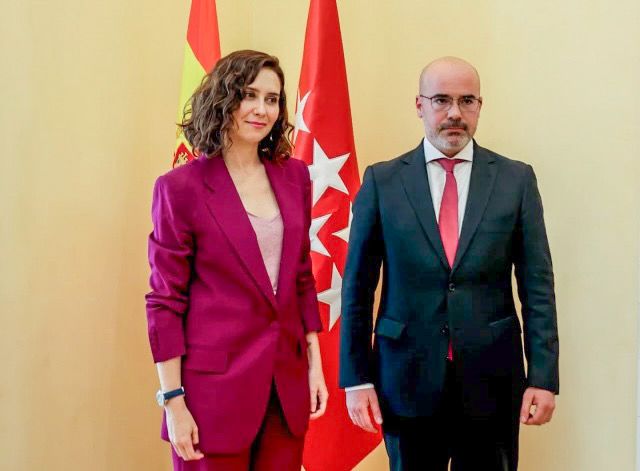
445	330
452	287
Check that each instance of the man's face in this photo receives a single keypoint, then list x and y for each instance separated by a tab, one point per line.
448	130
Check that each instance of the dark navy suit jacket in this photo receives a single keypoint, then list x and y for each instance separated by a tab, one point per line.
425	302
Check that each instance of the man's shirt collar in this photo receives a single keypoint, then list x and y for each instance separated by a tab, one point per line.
431	153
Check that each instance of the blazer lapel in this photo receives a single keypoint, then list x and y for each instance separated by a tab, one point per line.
416	186
288	198
226	207
483	175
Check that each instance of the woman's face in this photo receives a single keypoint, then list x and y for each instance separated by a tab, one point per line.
258	110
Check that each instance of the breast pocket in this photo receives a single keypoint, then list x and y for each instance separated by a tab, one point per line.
498	220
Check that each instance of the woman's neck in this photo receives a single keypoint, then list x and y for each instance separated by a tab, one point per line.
241	156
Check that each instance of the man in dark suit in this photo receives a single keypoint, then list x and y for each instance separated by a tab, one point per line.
448	221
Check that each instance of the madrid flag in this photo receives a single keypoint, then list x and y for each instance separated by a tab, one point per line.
324	140
201	53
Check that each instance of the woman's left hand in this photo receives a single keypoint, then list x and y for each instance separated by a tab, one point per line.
319	392
317	386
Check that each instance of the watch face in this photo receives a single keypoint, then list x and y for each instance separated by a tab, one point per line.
160	398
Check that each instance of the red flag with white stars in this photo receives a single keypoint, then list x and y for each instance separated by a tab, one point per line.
324	140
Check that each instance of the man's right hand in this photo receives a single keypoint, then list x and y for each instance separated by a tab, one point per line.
183	431
362	404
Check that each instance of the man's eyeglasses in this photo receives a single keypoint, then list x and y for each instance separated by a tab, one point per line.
445	102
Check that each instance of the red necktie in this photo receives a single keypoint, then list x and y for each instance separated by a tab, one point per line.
448	219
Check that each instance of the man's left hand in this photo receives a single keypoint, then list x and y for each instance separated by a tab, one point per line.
544	402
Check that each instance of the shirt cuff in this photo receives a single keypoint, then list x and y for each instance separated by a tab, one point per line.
360	386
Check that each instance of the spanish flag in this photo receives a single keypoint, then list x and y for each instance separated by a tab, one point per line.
201	52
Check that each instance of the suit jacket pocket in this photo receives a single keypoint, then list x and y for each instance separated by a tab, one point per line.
506	358
206	361
390	328
502	327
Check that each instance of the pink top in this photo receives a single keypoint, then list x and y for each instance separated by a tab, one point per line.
269	232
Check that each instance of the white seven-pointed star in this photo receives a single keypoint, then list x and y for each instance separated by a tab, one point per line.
332	297
325	172
316	243
344	233
300	124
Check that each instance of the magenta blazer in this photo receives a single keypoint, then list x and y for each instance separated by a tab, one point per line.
211	301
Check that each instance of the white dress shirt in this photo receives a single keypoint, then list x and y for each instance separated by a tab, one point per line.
437	178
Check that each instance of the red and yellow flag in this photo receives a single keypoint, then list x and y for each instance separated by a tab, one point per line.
201	52
324	140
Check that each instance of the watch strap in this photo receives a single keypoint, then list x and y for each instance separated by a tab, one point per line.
173	393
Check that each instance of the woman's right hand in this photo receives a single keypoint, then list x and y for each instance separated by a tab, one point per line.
183	431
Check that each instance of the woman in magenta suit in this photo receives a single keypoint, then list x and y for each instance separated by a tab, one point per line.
232	311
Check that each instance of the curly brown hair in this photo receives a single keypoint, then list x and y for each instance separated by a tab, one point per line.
207	116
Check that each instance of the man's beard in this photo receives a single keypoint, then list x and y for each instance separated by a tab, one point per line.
442	142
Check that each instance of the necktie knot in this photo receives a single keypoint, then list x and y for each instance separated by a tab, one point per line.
448	164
